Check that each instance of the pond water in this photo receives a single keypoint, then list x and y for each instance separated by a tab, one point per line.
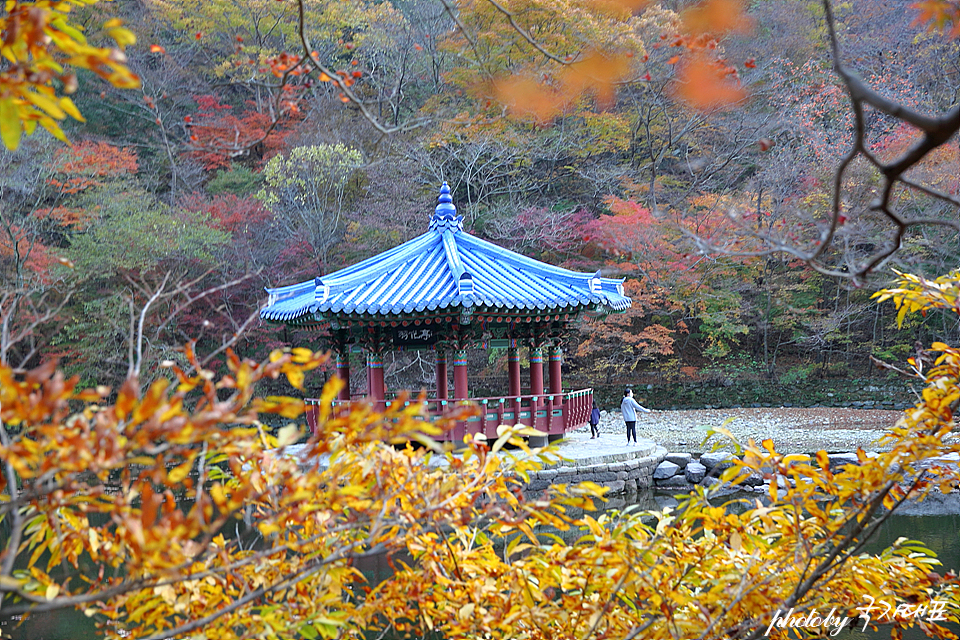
941	533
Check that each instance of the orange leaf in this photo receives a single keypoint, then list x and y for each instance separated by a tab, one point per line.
527	98
716	16
126	398
706	85
597	73
620	8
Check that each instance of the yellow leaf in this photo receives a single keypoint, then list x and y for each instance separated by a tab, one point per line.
518	430
901	315
295	376
10	128
67	105
94	541
53	129
53	590
46	103
823	460
123	37
301	355
736	541
288	435
267	528
178	473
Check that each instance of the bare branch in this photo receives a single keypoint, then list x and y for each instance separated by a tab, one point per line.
255	315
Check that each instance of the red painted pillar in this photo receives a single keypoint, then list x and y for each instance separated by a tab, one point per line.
441	375
343	372
375	375
536	371
513	369
556	359
460	391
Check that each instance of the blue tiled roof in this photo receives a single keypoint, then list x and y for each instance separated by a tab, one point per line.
442	269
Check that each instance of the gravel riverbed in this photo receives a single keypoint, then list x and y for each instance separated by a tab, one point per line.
793	430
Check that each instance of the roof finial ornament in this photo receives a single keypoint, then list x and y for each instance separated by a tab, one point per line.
445	216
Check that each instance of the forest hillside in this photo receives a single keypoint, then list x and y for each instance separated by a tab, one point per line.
239	164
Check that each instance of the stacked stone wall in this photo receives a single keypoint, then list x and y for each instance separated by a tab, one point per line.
626	472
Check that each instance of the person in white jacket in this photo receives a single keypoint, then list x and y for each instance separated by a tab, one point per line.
629	408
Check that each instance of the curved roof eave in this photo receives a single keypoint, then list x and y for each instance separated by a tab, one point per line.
445	267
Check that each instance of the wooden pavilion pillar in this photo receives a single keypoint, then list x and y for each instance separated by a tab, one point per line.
536	371
376	389
343	372
441	375
460	391
513	369
556	360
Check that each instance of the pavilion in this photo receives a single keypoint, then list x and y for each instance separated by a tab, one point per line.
447	291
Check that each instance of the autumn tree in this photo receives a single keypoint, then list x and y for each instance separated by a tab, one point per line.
93	486
44	48
126	277
619	345
32	288
305	190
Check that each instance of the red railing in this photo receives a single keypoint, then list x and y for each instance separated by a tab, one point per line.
554	414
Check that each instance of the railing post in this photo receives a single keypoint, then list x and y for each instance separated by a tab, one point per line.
483	417
549	410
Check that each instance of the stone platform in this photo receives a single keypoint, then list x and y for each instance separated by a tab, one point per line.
607	461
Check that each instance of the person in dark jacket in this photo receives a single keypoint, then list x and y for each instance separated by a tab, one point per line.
629	408
594	421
